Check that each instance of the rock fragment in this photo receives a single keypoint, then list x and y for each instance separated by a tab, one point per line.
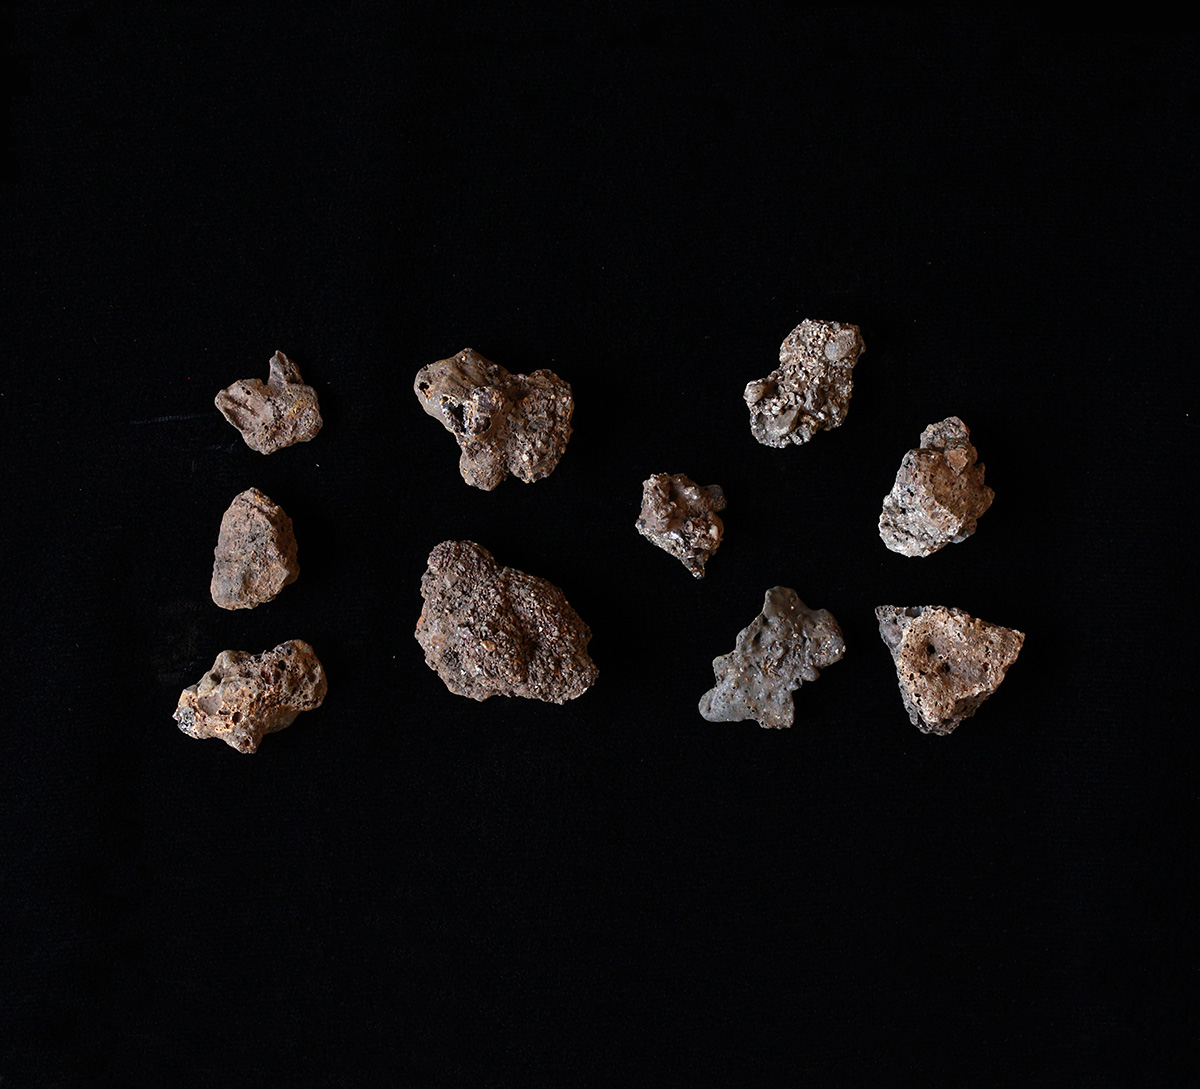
938	495
490	630
787	644
274	414
255	556
245	696
680	516
947	662
810	390
504	423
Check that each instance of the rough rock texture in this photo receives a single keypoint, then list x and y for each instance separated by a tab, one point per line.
489	630
938	495
255	556
947	662
504	423
681	517
245	696
810	391
787	644
274	414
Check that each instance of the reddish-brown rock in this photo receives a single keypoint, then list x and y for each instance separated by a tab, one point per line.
255	556
272	414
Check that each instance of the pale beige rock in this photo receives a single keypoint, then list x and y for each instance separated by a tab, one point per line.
272	414
255	556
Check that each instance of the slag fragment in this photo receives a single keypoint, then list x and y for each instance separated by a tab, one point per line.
255	556
787	644
947	662
810	390
274	414
490	630
938	495
245	696
680	516
504	423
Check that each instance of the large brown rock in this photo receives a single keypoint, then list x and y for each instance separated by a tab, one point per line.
490	630
272	414
246	696
255	556
680	516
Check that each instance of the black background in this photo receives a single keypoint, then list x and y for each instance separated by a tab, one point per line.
409	888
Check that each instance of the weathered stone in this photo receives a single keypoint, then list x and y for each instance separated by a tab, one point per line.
947	662
810	390
274	414
490	630
255	556
787	644
245	696
504	423
680	516
938	495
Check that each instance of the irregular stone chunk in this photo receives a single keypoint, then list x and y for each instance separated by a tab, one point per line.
680	516
245	696
810	390
947	662
787	644
490	630
938	495
255	556
276	414
504	423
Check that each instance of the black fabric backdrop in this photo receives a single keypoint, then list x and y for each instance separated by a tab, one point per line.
410	888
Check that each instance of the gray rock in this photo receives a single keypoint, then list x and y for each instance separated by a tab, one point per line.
246	696
274	414
504	423
938	495
810	390
490	630
947	662
255	556
787	644
681	517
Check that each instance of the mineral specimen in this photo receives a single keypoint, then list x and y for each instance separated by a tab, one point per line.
938	495
245	696
810	390
947	662
273	415
504	423
787	644
255	556
681	517
490	630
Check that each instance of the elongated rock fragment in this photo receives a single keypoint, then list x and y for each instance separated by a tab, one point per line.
274	414
787	644
504	423
255	556
680	516
810	390
939	493
947	662
246	696
490	630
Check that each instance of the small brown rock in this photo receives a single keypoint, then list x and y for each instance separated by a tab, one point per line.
255	556
274	414
680	516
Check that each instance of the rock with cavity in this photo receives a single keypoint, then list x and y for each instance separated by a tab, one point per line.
274	414
680	516
255	556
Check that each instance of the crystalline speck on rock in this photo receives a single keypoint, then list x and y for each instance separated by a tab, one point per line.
938	495
274	414
255	556
504	423
787	644
490	630
947	662
246	696
810	390
680	516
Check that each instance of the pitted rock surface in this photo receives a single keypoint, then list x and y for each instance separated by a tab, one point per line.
680	516
255	556
272	414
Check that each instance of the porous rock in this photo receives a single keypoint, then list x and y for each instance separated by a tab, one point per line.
938	495
504	423
490	630
272	414
680	516
245	696
255	556
810	390
787	644
947	662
